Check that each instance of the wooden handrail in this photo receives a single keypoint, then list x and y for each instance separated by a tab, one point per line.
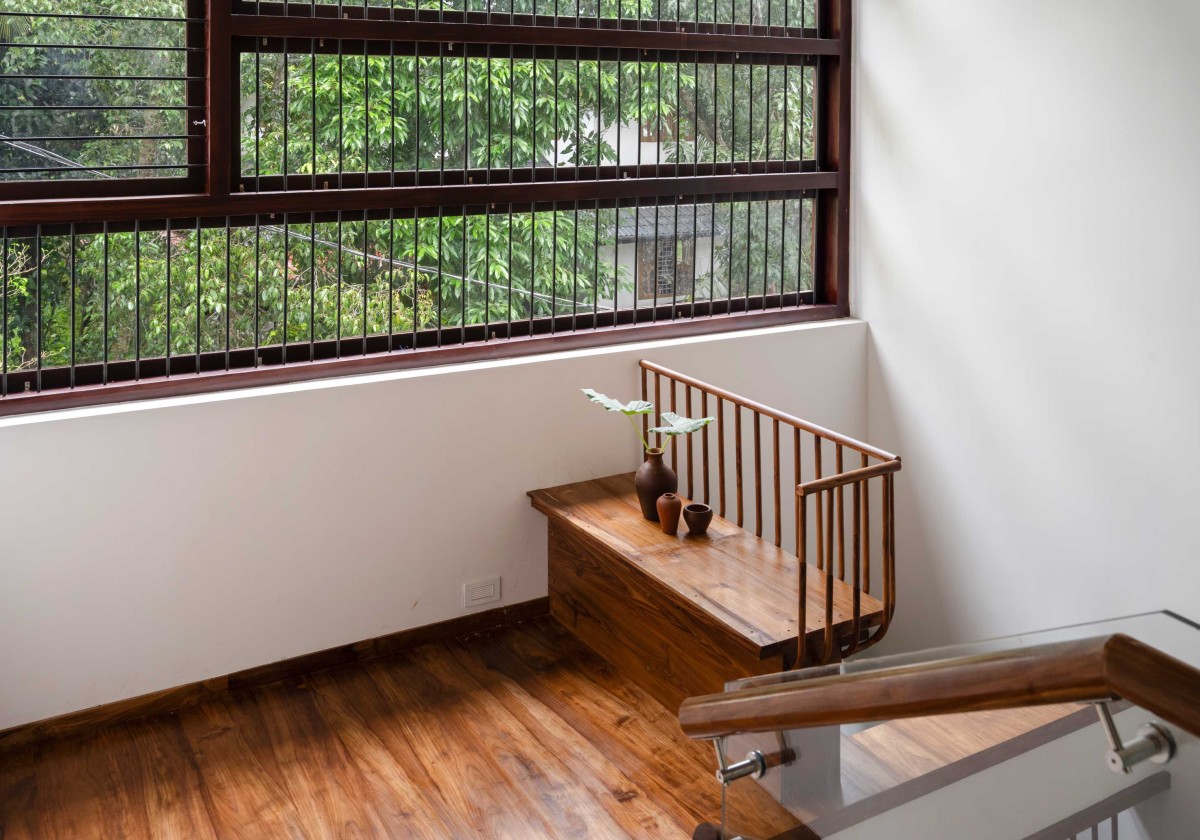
774	414
1102	668
846	478
847	528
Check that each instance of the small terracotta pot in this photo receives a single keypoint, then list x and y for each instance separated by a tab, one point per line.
669	506
654	478
698	517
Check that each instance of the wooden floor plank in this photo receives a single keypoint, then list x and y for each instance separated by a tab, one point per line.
455	748
520	733
625	718
532	766
242	798
355	710
170	779
309	761
629	804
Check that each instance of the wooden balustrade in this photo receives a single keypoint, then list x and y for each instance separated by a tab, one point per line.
852	523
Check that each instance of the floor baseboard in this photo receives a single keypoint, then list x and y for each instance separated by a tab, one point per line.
174	699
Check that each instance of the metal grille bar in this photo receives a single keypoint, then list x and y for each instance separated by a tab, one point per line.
383	180
171	297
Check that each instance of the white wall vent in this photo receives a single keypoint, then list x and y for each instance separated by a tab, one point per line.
483	591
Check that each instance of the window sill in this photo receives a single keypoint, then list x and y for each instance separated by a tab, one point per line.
186	384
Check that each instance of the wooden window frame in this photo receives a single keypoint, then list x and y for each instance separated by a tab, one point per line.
212	193
196	104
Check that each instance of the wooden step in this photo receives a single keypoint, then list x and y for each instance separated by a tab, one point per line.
678	615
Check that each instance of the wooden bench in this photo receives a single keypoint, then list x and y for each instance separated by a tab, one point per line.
681	615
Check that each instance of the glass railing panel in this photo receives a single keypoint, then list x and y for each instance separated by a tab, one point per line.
1000	774
1166	631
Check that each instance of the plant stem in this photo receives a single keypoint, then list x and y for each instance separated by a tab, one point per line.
641	437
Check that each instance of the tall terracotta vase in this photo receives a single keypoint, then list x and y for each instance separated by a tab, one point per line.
654	478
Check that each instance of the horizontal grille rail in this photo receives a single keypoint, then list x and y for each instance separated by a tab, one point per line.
101	107
612	48
627	207
50	138
627	36
469	195
84	77
667	175
105	47
91	16
797	17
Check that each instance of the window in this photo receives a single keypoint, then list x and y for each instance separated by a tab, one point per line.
376	185
106	93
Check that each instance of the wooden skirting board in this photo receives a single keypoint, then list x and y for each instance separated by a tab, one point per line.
180	697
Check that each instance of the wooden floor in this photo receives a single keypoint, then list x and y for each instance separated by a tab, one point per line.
519	733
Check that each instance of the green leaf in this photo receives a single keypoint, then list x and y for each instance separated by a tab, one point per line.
677	425
609	404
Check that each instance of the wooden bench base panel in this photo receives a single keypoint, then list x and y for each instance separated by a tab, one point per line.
664	645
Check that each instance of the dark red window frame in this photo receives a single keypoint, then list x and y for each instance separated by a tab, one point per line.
215	192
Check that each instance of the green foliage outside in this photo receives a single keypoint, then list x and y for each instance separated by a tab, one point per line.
288	279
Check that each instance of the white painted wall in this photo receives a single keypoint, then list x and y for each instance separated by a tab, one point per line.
1026	211
157	544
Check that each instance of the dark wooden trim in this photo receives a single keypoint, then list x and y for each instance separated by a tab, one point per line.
221	126
450	195
206	383
1101	668
1106	808
845	14
174	699
452	32
72	189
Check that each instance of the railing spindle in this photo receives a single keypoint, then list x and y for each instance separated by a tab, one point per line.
840	500
796	459
886	538
855	560
704	444
775	451
866	531
645	392
672	440
721	454
687	408
758	502
828	577
802	574
737	452
891	520
820	504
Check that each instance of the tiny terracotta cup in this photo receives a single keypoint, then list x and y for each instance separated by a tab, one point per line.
698	517
668	513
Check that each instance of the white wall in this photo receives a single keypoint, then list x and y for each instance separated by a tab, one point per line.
163	543
1026	215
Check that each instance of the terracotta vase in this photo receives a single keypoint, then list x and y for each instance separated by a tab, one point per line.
652	479
669	505
698	517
